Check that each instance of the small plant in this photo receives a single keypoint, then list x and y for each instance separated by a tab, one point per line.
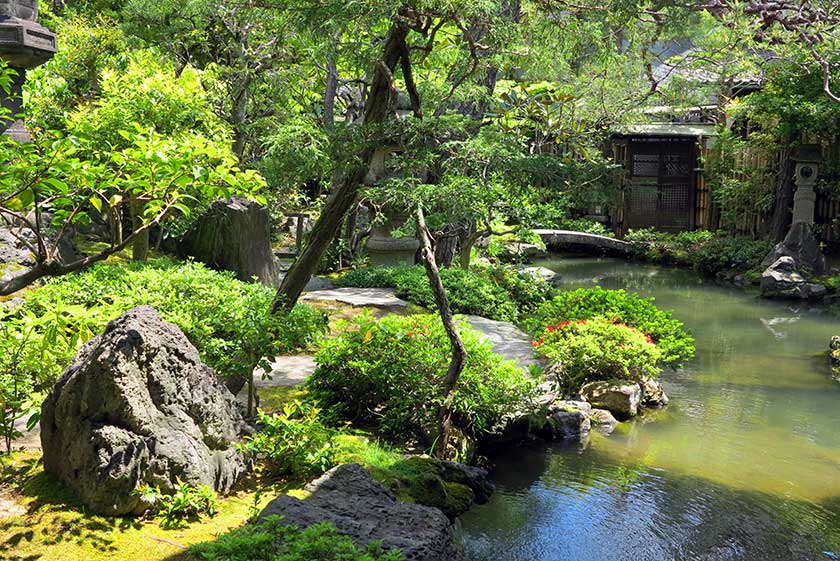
598	349
186	503
295	442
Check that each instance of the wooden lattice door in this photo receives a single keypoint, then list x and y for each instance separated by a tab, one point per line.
660	190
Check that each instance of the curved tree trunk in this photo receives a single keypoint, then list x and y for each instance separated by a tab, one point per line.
378	106
459	352
785	189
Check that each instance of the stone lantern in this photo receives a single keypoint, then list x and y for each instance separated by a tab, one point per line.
807	159
799	255
383	248
23	44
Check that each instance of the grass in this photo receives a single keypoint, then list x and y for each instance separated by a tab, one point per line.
45	522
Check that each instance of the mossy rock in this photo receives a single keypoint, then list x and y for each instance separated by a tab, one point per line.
448	486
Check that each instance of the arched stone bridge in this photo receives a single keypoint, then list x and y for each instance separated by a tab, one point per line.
555	239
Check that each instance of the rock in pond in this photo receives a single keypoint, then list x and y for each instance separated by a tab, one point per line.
570	419
137	406
834	356
620	397
652	393
360	507
603	420
783	280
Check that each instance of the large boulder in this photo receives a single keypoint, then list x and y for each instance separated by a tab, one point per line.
234	235
358	506
802	247
620	397
783	280
137	406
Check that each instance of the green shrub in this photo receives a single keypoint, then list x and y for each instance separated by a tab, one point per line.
526	289
675	344
186	503
270	540
294	442
227	320
598	349
389	374
730	254
707	252
498	293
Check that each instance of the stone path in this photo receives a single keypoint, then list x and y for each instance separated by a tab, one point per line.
507	340
358	297
287	371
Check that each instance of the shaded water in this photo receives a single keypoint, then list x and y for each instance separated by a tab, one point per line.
743	464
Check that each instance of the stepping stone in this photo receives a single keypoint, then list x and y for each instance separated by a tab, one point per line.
507	340
287	371
359	297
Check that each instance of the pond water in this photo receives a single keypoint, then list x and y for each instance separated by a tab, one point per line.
743	464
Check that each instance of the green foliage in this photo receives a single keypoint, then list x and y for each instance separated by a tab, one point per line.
595	349
294	442
498	293
389	374
709	253
675	345
730	253
270	540
526	289
187	502
229	321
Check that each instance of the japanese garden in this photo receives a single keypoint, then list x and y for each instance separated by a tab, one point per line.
427	280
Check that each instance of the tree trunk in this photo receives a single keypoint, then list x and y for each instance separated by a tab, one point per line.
378	106
330	91
140	244
445	250
785	189
459	352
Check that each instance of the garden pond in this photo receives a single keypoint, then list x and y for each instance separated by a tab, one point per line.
743	464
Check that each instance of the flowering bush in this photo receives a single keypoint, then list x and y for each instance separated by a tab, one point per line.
675	344
598	349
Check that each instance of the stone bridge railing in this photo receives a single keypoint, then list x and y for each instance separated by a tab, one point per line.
557	239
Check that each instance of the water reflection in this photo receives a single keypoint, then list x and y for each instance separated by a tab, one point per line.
744	463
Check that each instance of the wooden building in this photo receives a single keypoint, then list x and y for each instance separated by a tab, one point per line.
662	186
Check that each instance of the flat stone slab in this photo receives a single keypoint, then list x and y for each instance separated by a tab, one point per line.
287	371
507	340
358	297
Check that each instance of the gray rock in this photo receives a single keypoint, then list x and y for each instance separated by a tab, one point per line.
358	506
783	280
234	235
570	419
604	420
17	242
620	397
521	251
652	393
137	406
542	273
802	247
